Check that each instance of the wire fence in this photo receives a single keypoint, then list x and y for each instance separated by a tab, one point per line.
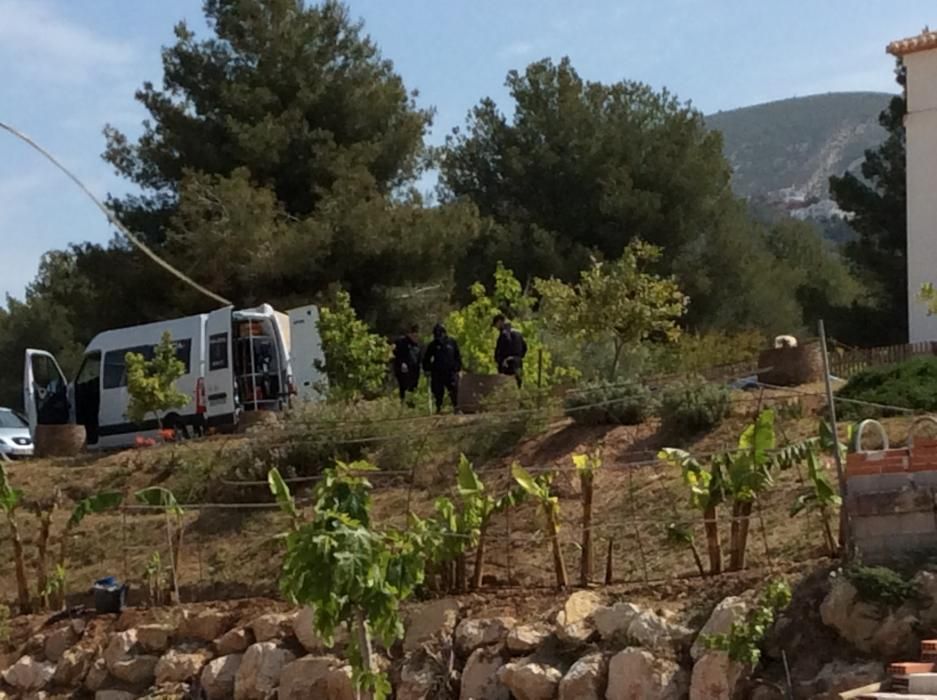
639	500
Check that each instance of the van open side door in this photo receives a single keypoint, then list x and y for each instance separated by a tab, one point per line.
46	395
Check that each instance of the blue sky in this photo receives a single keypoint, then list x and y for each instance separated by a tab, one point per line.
67	67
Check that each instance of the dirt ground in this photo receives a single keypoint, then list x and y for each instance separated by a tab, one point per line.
230	549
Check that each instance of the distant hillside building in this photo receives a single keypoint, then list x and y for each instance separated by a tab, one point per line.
919	54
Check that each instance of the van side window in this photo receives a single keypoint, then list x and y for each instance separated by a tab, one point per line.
90	369
218	351
115	367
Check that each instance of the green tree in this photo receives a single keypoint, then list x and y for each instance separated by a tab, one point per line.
151	384
582	168
877	203
823	284
350	573
471	326
355	358
616	300
279	155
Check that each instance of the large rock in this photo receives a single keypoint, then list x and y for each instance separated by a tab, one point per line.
272	626
635	674
316	677
234	641
177	665
480	676
115	695
74	665
154	638
97	675
259	673
136	670
524	639
839	676
530	680
715	677
206	626
29	674
586	679
612	622
578	607
433	620
305	631
420	678
119	648
574	622
218	677
654	632
869	628
59	641
724	615
473	633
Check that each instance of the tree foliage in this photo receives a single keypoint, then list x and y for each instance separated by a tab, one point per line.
617	300
877	203
581	169
151	383
743	641
355	358
348	572
471	325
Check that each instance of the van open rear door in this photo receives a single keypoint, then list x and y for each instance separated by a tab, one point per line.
305	350
218	394
45	391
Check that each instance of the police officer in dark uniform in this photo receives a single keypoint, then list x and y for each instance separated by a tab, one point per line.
407	357
443	362
510	349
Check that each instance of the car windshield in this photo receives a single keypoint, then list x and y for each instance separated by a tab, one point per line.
8	419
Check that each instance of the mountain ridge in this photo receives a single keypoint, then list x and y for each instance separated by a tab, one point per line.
783	152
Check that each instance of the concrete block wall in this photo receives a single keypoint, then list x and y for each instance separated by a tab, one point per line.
891	501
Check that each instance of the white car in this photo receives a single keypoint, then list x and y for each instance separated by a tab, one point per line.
14	435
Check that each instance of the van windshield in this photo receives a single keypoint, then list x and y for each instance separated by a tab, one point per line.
8	419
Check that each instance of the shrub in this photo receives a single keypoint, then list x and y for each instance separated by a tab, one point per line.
694	406
606	403
881	585
911	384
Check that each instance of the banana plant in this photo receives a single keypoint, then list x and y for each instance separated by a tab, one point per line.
682	534
482	506
707	493
10	499
162	498
586	466
539	490
748	475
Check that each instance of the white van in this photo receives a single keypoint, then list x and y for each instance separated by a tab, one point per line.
235	361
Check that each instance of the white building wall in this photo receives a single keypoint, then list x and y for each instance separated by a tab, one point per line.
921	123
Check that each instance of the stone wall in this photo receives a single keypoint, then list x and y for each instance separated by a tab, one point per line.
591	648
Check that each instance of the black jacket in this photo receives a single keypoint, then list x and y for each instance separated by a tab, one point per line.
442	358
511	344
409	353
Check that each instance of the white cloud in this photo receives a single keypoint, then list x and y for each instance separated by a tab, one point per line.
516	49
39	43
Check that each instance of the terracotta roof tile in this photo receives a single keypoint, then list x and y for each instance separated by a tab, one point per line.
922	42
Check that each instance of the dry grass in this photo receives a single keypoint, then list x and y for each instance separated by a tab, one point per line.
233	553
